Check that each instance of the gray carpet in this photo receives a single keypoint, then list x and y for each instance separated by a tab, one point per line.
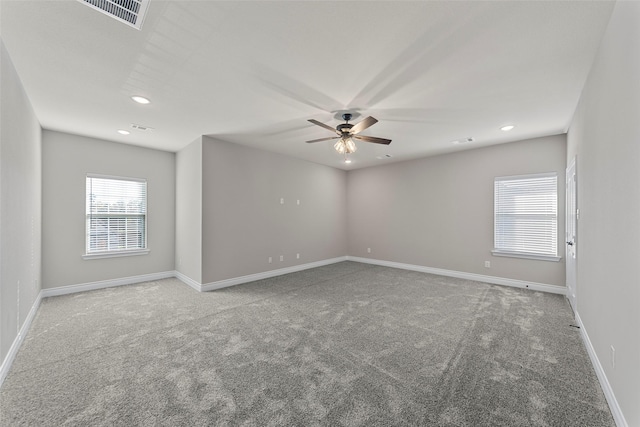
347	344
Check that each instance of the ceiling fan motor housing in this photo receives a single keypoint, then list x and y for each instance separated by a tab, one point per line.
344	127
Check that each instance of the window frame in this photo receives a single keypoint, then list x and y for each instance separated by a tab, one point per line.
119	252
525	254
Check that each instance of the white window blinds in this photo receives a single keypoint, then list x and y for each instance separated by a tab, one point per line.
116	214
526	215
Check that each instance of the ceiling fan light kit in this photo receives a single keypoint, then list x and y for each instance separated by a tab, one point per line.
347	132
345	145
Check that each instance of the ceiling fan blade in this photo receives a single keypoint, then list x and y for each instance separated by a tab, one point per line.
369	121
315	122
323	139
373	139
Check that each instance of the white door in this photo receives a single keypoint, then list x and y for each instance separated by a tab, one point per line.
570	232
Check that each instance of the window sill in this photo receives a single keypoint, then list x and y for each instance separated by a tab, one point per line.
526	255
115	254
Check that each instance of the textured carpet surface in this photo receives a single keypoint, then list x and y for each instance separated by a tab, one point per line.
347	344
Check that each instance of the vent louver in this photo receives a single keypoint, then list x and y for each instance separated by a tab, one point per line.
131	12
140	127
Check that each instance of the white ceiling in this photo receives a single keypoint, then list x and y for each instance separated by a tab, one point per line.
253	72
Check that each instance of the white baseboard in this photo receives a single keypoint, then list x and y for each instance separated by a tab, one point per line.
267	274
188	281
63	290
602	377
17	342
543	287
91	286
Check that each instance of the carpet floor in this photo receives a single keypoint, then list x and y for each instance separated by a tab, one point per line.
346	344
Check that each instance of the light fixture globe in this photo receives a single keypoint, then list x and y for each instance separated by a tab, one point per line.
345	145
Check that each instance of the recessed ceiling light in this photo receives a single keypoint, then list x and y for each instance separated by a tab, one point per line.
507	128
123	132
140	99
347	161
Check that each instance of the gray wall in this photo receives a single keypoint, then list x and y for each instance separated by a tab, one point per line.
438	211
66	160
605	136
244	222
189	211
20	190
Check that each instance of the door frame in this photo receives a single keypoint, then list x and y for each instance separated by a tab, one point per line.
571	233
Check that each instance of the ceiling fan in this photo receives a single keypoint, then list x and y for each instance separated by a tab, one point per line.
347	132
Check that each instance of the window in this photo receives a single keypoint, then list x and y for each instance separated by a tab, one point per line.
116	216
526	216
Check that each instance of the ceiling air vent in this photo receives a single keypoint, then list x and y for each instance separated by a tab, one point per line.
464	140
131	12
140	127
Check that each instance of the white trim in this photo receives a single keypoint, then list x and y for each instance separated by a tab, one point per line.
267	274
525	255
63	290
543	287
618	416
82	287
119	178
89	215
523	238
188	281
115	254
17	342
526	176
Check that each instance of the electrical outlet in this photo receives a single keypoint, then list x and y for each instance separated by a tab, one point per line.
613	357
281	258
368	250
282	200
487	264
297	256
270	260
298	202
